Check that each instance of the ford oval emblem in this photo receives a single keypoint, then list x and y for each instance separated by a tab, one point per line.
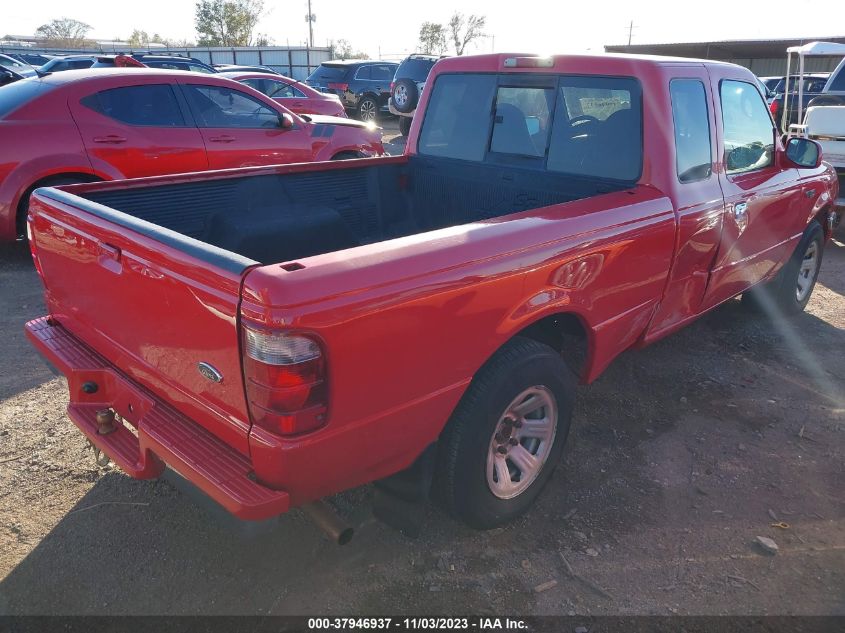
210	372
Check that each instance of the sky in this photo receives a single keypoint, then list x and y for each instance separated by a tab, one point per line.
390	30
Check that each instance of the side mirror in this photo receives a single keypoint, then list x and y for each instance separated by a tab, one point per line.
6	77
803	152
285	121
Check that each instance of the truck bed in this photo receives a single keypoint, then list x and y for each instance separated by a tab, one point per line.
272	217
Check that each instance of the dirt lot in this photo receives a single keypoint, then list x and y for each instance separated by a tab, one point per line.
680	455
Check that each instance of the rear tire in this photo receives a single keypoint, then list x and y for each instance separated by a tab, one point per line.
790	291
507	434
405	125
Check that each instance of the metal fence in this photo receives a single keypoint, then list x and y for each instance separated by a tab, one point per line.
293	61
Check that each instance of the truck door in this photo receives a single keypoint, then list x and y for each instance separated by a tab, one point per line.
761	195
697	197
140	130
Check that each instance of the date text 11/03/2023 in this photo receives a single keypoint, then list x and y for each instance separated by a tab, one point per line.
418	624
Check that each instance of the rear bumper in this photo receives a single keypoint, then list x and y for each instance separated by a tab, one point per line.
158	434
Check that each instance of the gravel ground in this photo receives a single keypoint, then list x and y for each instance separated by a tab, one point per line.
680	456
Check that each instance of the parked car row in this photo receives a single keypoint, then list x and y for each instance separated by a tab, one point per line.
121	122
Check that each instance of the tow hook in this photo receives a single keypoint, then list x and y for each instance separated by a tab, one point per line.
105	422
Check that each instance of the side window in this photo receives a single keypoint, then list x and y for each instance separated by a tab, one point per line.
199	69
749	133
297	93
364	73
82	63
215	106
694	159
278	90
256	84
382	73
148	105
522	121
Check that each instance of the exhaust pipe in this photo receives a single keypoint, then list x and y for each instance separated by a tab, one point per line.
329	521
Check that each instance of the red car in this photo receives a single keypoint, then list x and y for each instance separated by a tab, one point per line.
294	95
83	126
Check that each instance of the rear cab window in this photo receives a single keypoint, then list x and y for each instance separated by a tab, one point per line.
588	126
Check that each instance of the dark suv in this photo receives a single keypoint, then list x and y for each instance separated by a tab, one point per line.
407	86
363	86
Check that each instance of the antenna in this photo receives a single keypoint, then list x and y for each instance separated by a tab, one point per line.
310	18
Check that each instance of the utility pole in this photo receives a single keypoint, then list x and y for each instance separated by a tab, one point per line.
310	18
630	28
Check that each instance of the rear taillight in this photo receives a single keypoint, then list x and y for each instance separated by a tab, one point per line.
285	378
338	86
774	106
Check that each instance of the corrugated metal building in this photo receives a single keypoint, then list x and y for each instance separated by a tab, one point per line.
293	61
762	57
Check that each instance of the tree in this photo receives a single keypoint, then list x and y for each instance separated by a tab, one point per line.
142	38
342	49
64	32
465	30
432	38
227	22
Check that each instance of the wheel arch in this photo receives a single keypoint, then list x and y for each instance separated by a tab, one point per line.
567	333
20	204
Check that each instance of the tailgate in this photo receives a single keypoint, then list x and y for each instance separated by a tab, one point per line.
160	306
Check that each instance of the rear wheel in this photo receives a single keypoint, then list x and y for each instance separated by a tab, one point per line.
405	125
506	435
367	109
790	291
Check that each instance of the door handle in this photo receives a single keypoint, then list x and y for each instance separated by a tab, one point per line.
740	208
224	138
810	193
110	139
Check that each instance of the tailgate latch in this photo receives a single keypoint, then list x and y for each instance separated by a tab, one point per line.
109	257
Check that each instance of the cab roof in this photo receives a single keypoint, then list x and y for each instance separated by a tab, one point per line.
493	61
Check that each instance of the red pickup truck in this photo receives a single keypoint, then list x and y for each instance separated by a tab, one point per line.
279	334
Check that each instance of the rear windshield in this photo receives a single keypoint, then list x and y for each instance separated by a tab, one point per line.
16	94
414	69
329	73
588	126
